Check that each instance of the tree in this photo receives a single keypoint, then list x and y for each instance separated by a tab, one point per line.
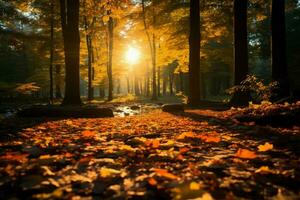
152	44
279	61
110	57
89	44
240	50
194	65
70	28
51	50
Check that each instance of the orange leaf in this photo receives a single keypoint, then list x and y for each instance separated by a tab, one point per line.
210	139
186	135
184	150
152	143
15	157
246	154
166	174
68	155
155	144
180	157
88	134
152	181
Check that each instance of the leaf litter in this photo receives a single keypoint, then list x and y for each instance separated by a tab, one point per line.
147	157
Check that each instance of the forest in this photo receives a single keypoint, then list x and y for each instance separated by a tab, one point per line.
150	99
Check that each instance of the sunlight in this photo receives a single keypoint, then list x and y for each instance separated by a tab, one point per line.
132	55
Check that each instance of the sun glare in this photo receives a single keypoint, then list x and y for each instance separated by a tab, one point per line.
132	55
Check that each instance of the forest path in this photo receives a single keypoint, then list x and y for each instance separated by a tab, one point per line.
155	155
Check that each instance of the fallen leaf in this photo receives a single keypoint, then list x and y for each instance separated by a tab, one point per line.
152	143
88	134
47	171
166	174
152	181
108	172
184	150
246	154
266	147
195	186
206	196
210	139
15	157
184	135
264	170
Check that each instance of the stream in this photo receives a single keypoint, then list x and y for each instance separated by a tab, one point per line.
118	110
135	109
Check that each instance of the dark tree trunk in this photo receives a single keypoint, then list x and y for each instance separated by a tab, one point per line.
141	86
181	81
240	41
128	85
58	82
110	50
148	82
171	82
102	89
165	79
119	86
70	28
154	86
136	86
90	58
240	50
279	60
51	51
152	45
194	42
158	81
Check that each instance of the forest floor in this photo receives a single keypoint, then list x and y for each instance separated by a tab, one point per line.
201	154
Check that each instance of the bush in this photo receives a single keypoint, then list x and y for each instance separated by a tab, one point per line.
255	86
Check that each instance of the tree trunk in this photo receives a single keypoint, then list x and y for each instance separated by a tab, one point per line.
158	81
58	82
181	81
165	79
70	28
119	86
279	60
51	51
128	85
152	45
110	50
148	82
154	87
90	57
136	86
240	51
194	42
171	81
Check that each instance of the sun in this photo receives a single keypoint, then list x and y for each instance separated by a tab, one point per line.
132	55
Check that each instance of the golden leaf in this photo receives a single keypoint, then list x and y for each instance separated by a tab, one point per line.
105	18
264	170
195	186
266	147
108	172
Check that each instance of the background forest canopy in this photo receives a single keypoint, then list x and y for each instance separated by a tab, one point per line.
115	51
